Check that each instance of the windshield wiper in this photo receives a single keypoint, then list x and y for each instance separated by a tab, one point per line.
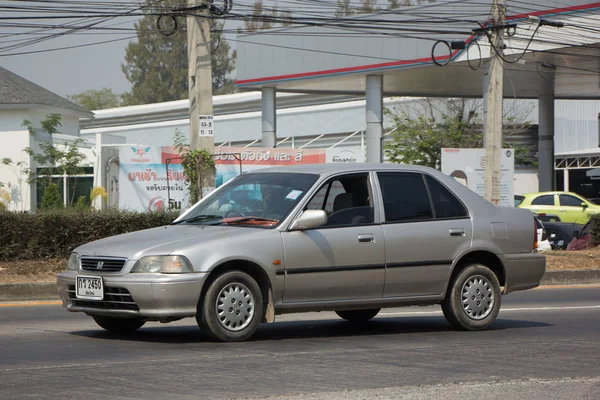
197	218
244	219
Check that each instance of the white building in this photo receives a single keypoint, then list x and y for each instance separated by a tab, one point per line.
313	121
22	100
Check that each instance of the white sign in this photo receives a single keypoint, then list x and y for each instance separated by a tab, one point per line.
467	166
343	155
149	185
206	126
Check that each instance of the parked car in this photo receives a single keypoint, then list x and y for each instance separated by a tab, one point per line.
570	207
582	239
346	238
518	199
548	217
560	234
543	244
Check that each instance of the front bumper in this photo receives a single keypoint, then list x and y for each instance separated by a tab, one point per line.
159	297
523	271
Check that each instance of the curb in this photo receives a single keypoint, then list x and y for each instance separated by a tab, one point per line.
47	291
28	291
576	277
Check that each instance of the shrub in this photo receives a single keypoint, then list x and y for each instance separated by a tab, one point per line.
595	228
51	198
55	233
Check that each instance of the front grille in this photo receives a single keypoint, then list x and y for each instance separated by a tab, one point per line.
102	264
114	299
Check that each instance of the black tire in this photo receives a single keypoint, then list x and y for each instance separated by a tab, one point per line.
214	324
119	325
358	316
457	308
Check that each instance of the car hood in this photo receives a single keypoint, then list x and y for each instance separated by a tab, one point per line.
162	240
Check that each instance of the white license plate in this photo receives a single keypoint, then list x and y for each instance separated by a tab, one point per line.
89	288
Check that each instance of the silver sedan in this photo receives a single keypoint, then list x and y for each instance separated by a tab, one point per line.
347	238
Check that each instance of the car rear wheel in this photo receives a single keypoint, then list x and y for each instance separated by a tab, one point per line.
358	316
473	299
119	325
232	308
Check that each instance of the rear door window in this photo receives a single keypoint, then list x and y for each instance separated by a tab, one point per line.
445	203
545	200
405	197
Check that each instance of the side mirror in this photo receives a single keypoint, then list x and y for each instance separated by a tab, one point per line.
584	205
309	219
576	234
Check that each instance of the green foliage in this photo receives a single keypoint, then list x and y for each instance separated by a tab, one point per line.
55	233
6	162
97	99
157	65
197	165
260	19
54	160
82	204
420	134
51	198
347	8
595	228
420	140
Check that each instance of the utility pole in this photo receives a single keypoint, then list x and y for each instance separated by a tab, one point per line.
493	120
200	84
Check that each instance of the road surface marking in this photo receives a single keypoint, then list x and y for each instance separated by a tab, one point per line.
501	310
30	304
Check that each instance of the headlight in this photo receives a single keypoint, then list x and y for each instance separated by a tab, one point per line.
73	262
163	264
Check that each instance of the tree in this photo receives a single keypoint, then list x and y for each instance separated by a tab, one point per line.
5	199
368	6
51	198
345	8
423	130
261	18
97	99
51	159
157	65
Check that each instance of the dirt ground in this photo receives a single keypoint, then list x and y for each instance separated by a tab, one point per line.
46	270
31	271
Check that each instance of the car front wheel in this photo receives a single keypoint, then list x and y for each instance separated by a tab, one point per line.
473	299
232	308
119	325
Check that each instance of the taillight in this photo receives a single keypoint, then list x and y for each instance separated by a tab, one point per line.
535	236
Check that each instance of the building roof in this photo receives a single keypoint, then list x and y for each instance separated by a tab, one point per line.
15	90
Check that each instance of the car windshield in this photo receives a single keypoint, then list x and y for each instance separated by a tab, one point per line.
255	199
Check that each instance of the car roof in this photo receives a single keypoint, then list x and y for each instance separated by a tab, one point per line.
326	169
550	193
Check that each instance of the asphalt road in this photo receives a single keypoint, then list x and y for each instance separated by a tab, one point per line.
545	344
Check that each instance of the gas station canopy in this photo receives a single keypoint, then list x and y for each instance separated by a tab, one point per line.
336	57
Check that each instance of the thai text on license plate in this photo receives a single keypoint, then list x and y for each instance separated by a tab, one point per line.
89	288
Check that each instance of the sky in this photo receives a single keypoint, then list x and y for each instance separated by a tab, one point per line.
72	71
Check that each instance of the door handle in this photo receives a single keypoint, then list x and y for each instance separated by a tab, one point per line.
368	238
457	232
